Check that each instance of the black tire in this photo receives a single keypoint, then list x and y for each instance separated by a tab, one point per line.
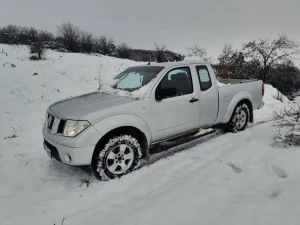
239	119
108	157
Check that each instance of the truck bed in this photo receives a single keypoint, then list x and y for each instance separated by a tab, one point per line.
229	95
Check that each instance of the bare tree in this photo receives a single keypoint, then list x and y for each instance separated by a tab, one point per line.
38	46
69	35
105	46
226	54
195	50
160	52
27	36
285	77
10	34
46	36
86	42
123	51
223	68
269	53
232	64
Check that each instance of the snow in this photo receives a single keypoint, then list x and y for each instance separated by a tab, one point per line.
219	84
193	59
204	131
241	178
297	133
273	103
138	94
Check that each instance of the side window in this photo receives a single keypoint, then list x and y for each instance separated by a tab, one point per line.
175	83
204	77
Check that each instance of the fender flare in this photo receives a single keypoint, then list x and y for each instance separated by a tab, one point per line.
240	96
107	124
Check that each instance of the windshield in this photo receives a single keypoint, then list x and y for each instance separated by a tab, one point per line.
136	77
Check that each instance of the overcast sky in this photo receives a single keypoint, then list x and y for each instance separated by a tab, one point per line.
178	24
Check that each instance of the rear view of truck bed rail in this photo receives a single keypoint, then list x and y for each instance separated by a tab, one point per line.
236	81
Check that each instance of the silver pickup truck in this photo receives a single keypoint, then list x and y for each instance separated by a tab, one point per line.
112	129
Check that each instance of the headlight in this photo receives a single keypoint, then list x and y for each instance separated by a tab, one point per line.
72	128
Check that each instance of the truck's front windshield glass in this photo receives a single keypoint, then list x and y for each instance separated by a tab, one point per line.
136	77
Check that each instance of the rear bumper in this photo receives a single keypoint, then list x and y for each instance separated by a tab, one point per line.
261	105
79	156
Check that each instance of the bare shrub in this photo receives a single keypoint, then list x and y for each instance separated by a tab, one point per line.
62	222
87	42
11	137
86	181
105	46
38	49
38	46
101	78
34	57
160	52
12	34
123	51
289	124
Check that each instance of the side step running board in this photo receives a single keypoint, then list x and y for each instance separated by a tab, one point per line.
164	145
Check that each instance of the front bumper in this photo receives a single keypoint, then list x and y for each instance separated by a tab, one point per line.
79	156
261	105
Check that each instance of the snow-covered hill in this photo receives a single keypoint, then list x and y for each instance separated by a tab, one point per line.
233	179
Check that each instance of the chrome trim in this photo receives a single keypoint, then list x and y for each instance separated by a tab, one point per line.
55	125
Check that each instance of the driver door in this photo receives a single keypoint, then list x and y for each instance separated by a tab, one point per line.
175	106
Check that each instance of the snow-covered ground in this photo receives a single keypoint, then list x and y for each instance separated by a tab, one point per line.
238	178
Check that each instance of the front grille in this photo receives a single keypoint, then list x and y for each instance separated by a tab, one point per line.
61	126
55	125
54	152
50	121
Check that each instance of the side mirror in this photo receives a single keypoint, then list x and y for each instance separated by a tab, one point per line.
166	92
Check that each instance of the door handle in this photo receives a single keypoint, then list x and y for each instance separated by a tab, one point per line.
194	100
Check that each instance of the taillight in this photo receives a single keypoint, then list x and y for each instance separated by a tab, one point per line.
263	89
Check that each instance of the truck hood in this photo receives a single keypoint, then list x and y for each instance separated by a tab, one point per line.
80	107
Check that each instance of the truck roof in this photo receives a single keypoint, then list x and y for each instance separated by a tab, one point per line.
172	64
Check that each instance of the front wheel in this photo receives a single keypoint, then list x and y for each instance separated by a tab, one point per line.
116	156
239	118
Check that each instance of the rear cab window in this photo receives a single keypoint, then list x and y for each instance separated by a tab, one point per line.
204	77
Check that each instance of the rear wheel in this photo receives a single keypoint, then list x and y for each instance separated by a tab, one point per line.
116	156
239	118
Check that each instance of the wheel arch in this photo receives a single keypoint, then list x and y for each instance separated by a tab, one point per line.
239	99
131	130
